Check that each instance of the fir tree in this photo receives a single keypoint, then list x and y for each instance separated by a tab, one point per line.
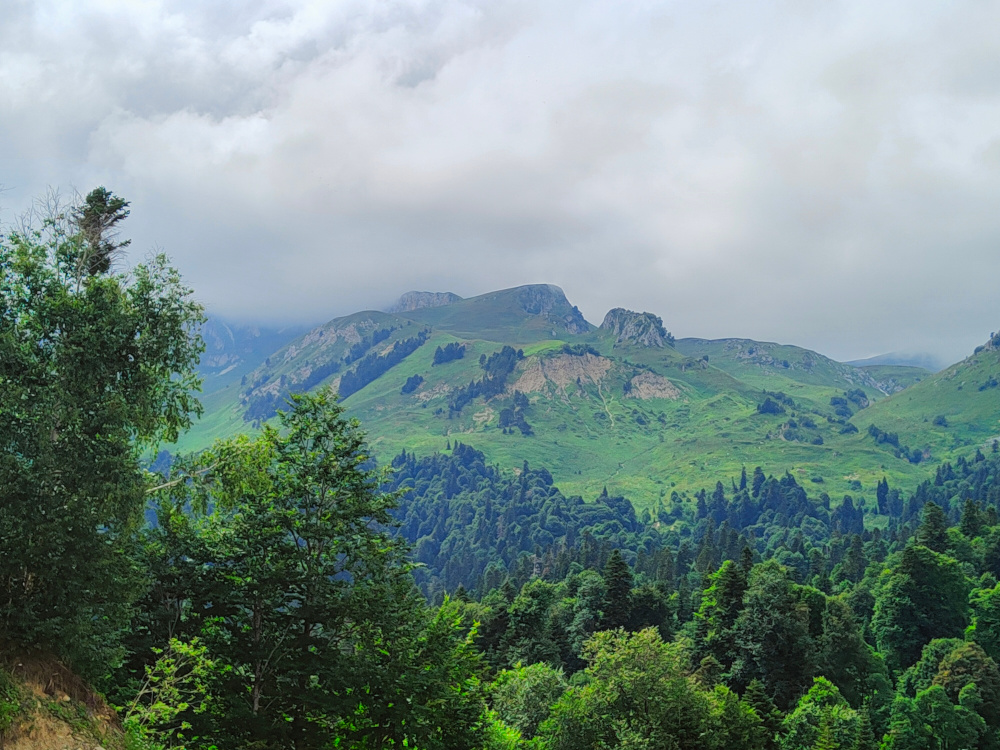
972	520
618	599
933	531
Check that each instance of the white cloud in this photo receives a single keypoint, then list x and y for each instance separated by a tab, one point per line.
820	173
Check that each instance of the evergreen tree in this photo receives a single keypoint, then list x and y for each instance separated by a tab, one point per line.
925	596
757	698
866	735
771	636
933	531
882	496
618	599
721	604
971	524
825	739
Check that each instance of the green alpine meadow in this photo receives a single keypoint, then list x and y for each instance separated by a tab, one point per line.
504	375
622	405
475	523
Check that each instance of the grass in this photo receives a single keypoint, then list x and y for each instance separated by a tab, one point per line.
591	436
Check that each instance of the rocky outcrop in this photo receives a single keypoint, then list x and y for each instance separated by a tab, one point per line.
550	300
417	300
647	385
644	329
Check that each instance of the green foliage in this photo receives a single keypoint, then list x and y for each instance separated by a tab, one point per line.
175	683
617	609
639	695
449	353
923	597
771	636
95	368
933	532
10	702
472	525
373	365
412	383
985	627
294	581
521	696
821	718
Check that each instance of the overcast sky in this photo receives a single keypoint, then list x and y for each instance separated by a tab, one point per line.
812	172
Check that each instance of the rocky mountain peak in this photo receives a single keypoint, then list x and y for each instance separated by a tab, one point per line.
644	329
417	300
550	300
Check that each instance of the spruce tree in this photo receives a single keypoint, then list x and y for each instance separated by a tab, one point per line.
866	735
770	717
971	524
933	531
618	599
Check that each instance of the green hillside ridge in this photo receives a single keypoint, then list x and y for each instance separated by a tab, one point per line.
622	406
949	410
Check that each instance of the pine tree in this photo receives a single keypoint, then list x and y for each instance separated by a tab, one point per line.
618	599
866	736
972	520
882	495
770	717
933	531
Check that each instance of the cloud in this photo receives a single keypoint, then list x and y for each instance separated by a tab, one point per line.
816	173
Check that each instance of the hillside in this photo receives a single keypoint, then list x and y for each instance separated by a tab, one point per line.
44	706
955	408
520	375
232	350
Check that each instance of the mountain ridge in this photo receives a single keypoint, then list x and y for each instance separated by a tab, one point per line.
527	378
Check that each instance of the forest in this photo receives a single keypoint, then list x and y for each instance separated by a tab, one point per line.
285	589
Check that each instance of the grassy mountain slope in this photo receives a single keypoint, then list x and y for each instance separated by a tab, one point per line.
955	408
610	406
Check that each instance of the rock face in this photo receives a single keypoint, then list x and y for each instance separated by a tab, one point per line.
550	300
417	300
644	329
648	385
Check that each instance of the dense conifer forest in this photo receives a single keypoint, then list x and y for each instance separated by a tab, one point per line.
286	589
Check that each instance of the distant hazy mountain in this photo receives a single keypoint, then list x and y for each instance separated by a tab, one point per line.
958	406
921	359
521	375
233	349
416	300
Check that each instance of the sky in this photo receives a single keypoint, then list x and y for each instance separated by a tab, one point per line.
819	173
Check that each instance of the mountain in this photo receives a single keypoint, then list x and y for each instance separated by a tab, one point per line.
411	301
957	407
520	375
920	360
233	349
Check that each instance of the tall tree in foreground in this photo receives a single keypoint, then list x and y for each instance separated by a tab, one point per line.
95	368
303	591
923	597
